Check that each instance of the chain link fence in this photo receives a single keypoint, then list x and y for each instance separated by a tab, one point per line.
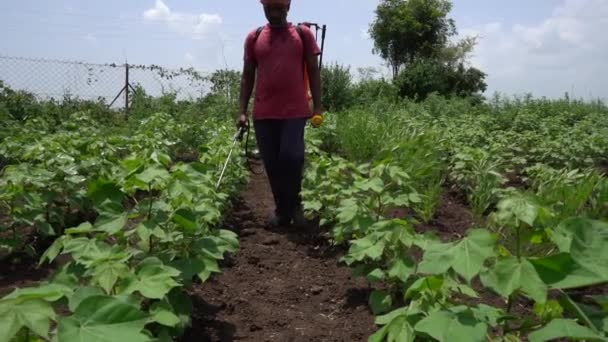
109	83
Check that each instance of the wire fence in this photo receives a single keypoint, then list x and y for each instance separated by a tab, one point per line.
108	83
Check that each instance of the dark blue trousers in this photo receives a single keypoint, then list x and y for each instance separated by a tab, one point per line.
281	144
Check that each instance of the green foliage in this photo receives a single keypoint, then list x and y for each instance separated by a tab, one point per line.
337	87
404	31
425	76
136	226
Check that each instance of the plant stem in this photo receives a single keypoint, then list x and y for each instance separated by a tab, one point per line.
518	243
150	205
509	307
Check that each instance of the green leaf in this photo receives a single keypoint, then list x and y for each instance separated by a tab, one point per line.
587	263
103	319
153	279
53	251
111	223
516	209
488	314
380	302
548	311
162	313
430	284
367	248
510	274
347	211
376	275
465	257
102	191
82	294
48	292
106	274
564	328
83	228
448	326
34	314
154	174
186	218
402	269
230	240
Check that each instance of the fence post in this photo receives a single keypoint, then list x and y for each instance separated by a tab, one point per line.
127	90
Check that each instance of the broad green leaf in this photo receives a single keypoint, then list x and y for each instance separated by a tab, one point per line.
488	314
347	211
314	205
185	218
111	223
516	209
510	274
389	317
153	279
103	319
400	330
162	313
376	275
53	251
106	274
423	285
587	263
230	240
448	326
87	251
401	268
48	292
154	174
202	267
210	247
465	257
82	294
34	314
380	302
565	232
367	248
102	191
564	328
83	228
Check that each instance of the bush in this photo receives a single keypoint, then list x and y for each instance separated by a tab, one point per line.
424	77
336	82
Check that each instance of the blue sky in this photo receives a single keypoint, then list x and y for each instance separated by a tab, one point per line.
545	47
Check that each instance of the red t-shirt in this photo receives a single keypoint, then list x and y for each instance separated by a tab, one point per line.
279	55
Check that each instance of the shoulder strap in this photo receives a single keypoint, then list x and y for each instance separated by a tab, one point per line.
257	33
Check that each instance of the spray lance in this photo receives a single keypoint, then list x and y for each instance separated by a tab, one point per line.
237	138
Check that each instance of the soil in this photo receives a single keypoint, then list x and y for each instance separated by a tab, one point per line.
19	271
284	284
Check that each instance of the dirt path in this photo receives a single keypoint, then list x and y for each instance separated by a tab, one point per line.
283	285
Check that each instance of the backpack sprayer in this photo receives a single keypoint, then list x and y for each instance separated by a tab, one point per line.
316	119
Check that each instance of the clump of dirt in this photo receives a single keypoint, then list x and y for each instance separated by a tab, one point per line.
285	284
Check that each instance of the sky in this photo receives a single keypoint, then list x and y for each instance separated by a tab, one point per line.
543	47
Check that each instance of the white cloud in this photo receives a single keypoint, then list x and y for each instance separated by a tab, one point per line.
564	52
195	25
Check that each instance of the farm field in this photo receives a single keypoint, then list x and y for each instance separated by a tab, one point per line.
439	220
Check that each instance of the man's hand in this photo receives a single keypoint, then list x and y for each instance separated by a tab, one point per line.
242	121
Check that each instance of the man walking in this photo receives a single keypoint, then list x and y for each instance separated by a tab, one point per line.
278	58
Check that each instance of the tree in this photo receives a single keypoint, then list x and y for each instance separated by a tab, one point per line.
337	87
406	30
426	76
414	37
